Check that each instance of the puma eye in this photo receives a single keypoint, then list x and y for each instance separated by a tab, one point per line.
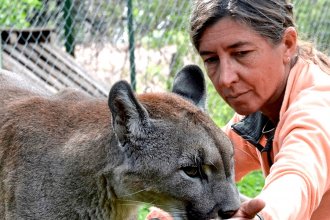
191	171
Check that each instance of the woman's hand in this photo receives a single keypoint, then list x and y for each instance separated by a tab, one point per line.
249	209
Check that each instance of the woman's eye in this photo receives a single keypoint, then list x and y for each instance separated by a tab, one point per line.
210	64
240	54
191	171
211	60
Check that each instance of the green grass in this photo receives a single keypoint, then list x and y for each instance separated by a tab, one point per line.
143	211
251	184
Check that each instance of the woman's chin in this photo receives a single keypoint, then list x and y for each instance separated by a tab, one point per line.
244	109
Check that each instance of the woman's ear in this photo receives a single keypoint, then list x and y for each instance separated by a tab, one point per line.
290	38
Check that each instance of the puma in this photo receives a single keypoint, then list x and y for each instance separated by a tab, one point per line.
73	156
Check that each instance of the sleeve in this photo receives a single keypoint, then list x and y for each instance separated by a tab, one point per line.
246	158
299	176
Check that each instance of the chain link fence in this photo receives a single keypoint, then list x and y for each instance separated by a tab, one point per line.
91	44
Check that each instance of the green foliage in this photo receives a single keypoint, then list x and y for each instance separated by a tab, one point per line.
143	212
19	10
313	19
251	184
162	27
163	23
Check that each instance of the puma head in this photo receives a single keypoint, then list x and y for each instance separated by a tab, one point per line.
176	158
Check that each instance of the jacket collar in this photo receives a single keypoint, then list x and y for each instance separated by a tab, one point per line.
252	128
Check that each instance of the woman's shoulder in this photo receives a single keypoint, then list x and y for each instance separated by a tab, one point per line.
308	74
307	84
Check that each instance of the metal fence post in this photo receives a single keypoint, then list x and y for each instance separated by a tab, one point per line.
131	43
68	27
0	50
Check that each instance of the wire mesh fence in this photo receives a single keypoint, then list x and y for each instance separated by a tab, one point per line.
90	44
96	34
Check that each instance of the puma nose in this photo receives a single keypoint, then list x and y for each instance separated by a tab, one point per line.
226	214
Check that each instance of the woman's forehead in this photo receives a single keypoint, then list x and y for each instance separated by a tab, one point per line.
228	33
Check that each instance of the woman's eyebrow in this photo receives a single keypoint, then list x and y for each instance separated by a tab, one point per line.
204	53
239	44
231	46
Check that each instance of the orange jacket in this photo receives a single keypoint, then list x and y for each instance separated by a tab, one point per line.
297	185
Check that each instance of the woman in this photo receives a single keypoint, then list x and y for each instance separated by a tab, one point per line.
279	88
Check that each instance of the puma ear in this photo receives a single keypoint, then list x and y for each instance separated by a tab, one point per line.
189	82
128	115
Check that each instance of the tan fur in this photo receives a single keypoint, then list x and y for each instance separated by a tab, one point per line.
68	156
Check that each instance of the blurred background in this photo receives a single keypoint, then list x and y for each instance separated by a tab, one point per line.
90	44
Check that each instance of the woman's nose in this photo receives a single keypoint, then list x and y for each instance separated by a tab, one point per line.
227	74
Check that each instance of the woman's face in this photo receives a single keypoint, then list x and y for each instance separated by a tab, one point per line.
247	70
